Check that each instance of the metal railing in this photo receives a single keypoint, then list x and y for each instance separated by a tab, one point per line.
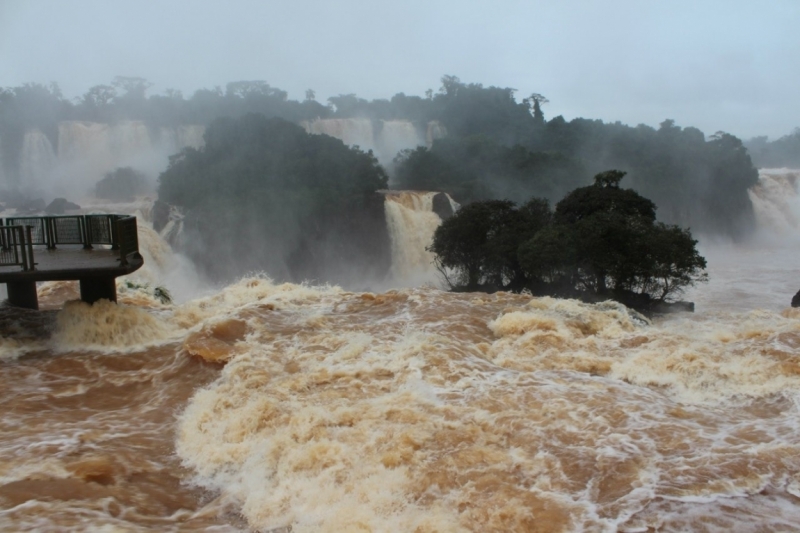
128	238
79	229
102	229
40	232
16	247
19	234
67	230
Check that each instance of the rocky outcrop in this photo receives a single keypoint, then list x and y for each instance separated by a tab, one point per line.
442	206
796	300
673	307
160	214
59	206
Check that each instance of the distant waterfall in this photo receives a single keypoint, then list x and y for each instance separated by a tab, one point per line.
189	136
88	150
776	201
398	135
173	231
412	222
3	179
384	137
435	131
38	159
351	131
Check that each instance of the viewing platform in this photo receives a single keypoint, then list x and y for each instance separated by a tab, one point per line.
92	249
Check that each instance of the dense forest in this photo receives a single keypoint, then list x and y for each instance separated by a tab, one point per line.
496	147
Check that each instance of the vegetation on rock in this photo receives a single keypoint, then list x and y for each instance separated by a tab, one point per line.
264	195
601	241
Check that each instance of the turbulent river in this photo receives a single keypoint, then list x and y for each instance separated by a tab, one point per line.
262	406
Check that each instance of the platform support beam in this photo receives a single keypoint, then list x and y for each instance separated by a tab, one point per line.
96	288
22	294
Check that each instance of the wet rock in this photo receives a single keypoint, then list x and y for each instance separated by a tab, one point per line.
59	206
796	300
442	206
673	307
160	215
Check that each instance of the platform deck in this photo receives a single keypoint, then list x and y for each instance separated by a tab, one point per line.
71	262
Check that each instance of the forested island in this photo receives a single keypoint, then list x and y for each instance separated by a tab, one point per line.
600	242
304	206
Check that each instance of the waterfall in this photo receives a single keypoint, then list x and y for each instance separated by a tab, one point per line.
129	141
384	137
81	142
351	131
776	201
38	159
4	181
173	231
411	222
189	135
435	131
397	135
88	150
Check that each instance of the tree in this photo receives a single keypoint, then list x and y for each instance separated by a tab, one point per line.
602	241
121	185
474	242
618	248
535	102
280	200
134	88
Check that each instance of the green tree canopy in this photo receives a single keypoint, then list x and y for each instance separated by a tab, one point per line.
278	199
602	241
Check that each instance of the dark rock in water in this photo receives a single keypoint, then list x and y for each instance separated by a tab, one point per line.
59	206
673	307
796	300
442	206
160	215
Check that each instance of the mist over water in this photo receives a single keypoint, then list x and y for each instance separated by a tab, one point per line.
763	272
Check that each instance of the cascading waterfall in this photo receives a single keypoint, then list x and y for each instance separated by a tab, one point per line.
189	135
3	179
397	135
776	201
87	150
384	137
129	139
351	131
38	159
172	232
411	222
435	130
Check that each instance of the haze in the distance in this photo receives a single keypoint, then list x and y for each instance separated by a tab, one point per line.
729	65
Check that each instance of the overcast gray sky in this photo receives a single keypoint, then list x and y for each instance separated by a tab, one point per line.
728	65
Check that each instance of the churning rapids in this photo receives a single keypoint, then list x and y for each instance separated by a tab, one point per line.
268	407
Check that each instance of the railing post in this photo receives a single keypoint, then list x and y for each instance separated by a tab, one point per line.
89	236
50	232
85	235
112	223
31	264
19	245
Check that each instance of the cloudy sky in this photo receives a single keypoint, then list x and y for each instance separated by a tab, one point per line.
728	65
